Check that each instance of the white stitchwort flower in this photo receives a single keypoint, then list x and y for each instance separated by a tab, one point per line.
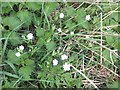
21	47
63	57
55	62
87	17
72	33
61	15
59	30
66	67
30	36
87	36
18	54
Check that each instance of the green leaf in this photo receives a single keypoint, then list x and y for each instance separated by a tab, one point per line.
33	5
85	24
25	16
106	54
50	7
12	22
40	42
29	62
109	39
69	24
36	20
25	71
15	39
70	11
81	13
115	16
11	56
51	45
115	84
40	32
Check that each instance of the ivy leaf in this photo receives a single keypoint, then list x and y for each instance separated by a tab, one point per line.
12	22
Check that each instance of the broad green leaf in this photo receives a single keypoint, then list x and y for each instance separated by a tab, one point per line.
29	62
15	39
69	24
115	16
115	84
106	22
11	56
81	13
12	22
25	16
40	42
40	32
26	71
36	20
33	5
106	54
70	11
50	7
109	39
51	45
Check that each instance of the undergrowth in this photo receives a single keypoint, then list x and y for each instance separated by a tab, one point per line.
60	45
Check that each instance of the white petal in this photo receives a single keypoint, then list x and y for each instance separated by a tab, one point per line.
63	57
72	33
59	30
21	47
55	62
61	15
66	67
88	17
18	54
30	36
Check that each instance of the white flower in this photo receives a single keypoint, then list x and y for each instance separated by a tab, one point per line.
21	47
61	15
66	67
72	33
87	17
55	62
87	36
30	36
59	30
18	54
63	57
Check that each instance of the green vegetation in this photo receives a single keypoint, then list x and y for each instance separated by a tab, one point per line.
60	45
